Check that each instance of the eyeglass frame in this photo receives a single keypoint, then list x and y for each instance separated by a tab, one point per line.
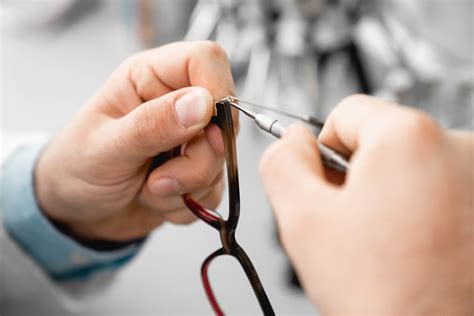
223	119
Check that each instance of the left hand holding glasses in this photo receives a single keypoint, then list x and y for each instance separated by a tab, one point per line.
93	177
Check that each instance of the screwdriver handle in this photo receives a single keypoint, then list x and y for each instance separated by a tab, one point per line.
270	125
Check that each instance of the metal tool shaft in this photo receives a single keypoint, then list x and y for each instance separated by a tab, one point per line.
329	156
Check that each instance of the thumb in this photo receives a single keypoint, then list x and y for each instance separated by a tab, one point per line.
293	175
166	122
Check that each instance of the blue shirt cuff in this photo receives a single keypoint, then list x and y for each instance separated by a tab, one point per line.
58	254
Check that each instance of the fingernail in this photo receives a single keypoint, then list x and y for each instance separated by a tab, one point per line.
191	108
165	187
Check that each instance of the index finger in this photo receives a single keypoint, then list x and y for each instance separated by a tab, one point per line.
356	119
153	73
182	64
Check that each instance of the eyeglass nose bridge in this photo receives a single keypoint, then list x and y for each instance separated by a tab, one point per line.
226	229
227	236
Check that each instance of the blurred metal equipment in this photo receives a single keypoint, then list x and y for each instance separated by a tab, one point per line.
422	53
156	22
314	52
22	16
276	47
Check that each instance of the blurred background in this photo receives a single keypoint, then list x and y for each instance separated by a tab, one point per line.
301	56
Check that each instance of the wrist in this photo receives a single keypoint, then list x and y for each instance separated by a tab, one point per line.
64	215
59	209
65	204
48	192
94	243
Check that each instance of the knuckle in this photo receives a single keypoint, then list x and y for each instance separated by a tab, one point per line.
419	125
218	180
215	197
414	129
208	173
352	100
219	190
211	54
142	126
204	177
214	50
150	122
410	131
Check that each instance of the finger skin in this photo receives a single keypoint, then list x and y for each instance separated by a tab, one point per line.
361	119
90	176
403	215
196	168
209	201
153	127
214	137
291	170
170	203
153	73
199	167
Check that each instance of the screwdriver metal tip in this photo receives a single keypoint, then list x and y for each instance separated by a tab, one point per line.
245	111
234	102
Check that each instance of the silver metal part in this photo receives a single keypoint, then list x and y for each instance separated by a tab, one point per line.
304	118
269	125
333	159
330	157
243	110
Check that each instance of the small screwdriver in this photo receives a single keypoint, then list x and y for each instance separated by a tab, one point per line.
330	157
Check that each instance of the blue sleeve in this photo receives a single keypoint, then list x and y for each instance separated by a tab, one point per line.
61	256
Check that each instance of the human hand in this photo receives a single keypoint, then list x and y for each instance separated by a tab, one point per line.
93	177
396	235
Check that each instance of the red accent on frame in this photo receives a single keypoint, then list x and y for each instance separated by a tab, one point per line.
209	293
